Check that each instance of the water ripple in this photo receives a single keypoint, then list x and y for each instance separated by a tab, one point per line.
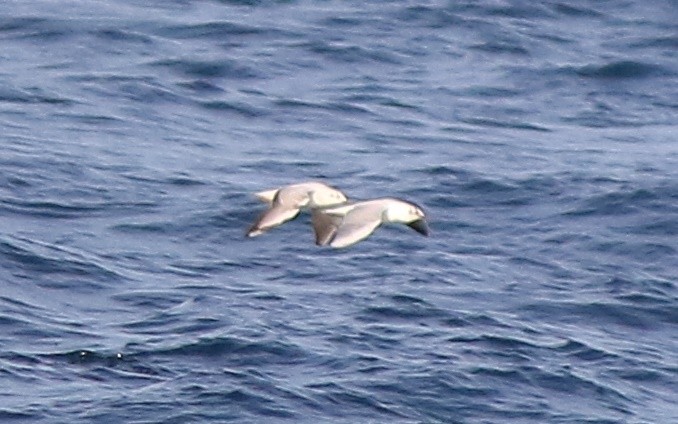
538	138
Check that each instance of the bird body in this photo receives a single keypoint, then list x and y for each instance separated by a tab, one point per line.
285	203
344	225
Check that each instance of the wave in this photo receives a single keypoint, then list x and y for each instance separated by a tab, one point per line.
31	256
622	69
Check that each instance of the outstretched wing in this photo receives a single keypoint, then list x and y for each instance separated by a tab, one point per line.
324	226
357	225
273	217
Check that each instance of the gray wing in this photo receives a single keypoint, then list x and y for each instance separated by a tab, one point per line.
324	226
273	217
357	225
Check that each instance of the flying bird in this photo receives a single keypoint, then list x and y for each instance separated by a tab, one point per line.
344	225
285	203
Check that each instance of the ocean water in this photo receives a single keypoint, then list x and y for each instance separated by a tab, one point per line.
541	138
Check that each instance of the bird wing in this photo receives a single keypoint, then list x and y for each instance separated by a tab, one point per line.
359	223
273	217
324	226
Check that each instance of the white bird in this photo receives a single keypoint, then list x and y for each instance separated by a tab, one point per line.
345	225
286	203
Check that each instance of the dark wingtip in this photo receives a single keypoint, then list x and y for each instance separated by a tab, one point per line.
254	231
420	226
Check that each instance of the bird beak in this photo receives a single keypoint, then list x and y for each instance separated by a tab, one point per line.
419	226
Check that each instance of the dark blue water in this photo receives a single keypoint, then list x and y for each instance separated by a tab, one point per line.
540	137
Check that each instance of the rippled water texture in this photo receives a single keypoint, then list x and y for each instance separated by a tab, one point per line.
540	138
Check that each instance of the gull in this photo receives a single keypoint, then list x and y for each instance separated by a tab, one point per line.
285	203
342	226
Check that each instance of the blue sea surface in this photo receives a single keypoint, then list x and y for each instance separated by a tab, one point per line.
541	139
